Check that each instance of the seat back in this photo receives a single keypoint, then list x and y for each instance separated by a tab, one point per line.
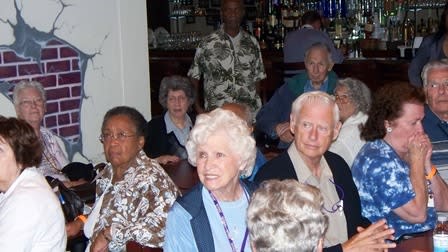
292	68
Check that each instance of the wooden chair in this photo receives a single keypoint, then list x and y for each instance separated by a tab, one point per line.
292	68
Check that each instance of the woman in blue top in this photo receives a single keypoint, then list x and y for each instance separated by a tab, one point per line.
390	169
212	216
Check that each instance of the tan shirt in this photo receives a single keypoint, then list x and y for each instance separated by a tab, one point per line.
337	225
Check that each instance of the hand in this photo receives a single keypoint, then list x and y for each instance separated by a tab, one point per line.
370	239
100	244
167	159
419	151
73	228
284	133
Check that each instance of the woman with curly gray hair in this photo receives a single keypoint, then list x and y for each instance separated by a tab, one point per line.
167	134
353	99
211	217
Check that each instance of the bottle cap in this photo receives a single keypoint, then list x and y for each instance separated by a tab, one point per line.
442	218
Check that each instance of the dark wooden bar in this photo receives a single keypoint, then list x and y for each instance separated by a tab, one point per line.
375	72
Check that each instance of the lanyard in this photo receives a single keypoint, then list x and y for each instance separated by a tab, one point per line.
224	222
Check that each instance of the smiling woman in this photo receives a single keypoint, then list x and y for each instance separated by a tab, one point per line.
212	215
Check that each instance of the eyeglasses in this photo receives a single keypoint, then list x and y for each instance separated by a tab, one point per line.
435	85
28	103
120	136
342	97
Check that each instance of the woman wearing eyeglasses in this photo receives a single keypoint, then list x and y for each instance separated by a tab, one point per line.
393	171
168	134
30	105
134	193
353	99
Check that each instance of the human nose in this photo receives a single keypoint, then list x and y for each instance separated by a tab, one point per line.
313	133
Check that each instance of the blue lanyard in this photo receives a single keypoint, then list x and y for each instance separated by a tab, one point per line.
224	222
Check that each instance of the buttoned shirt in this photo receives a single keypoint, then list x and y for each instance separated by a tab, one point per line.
337	224
230	73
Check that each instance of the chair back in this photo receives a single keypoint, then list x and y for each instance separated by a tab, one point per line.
292	68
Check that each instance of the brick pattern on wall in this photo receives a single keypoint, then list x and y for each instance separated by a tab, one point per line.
61	78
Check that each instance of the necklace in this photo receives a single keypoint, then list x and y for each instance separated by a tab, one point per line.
224	222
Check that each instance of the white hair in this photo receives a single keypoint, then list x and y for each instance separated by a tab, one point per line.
286	216
239	138
315	97
27	84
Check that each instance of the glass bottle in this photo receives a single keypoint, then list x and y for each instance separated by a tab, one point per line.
440	235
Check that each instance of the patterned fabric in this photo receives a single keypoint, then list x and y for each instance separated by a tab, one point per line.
383	182
136	207
230	73
53	158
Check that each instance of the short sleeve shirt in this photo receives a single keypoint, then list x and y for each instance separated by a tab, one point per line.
383	181
230	73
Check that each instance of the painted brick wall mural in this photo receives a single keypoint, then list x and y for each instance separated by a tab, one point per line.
59	71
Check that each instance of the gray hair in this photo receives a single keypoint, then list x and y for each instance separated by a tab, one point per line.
286	216
432	65
320	46
316	97
358	92
28	84
240	139
175	83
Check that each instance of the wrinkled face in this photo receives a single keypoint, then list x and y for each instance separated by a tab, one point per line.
314	129
177	103
409	124
232	13
344	103
9	169
31	106
121	144
317	65
218	167
436	91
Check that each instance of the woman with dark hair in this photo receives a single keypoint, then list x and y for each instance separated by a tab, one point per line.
390	169
31	218
168	134
134	193
433	47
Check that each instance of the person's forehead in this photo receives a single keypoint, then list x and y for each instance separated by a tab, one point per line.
29	92
316	110
438	74
318	54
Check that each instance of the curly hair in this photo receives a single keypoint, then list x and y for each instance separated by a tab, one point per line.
387	105
22	139
358	92
239	134
175	83
27	84
286	216
133	114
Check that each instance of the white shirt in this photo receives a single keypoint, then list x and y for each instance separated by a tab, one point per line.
349	142
31	217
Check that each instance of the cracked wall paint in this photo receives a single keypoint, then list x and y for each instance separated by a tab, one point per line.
94	40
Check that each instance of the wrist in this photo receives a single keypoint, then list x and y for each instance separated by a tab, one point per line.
433	172
106	234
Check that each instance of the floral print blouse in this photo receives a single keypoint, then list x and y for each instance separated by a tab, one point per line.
136	207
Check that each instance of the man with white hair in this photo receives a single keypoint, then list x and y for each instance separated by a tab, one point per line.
315	124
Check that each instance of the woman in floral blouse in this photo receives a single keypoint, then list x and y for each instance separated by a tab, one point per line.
134	193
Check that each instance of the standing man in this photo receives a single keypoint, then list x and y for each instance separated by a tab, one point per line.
435	86
315	124
297	42
230	61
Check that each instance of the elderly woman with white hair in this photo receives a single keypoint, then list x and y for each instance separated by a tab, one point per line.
167	134
211	217
286	216
353	99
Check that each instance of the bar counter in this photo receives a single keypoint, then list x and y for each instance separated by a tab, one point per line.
375	72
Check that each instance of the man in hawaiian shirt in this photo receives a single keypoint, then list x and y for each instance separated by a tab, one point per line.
231	62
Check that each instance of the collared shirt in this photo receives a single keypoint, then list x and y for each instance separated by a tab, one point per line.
309	86
181	134
230	74
136	207
436	128
383	181
53	158
337	224
349	141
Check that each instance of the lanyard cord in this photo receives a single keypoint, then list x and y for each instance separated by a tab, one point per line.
224	222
